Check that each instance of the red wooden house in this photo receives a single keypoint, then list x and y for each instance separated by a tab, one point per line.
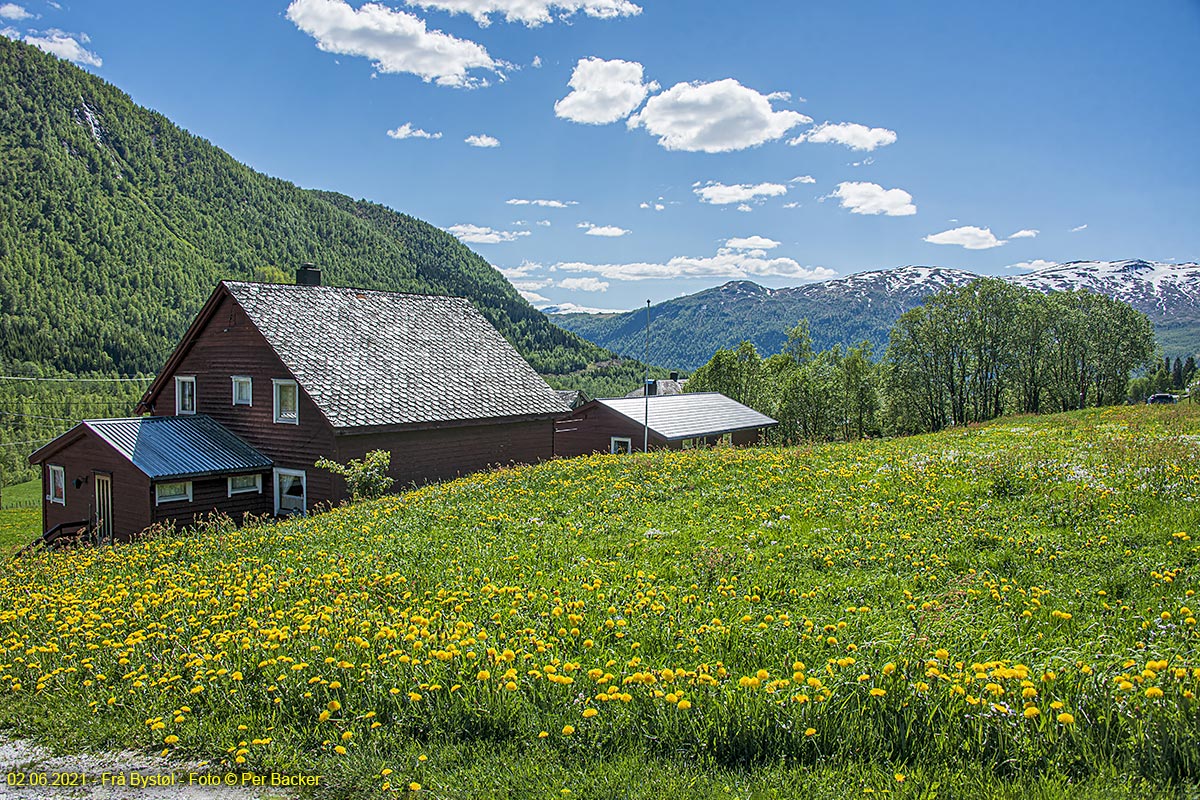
675	421
270	378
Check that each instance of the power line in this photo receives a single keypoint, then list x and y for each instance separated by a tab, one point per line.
35	416
74	380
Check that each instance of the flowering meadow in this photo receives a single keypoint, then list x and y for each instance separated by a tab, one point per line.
1007	609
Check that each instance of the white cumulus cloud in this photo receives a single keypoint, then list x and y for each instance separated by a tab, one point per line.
871	198
531	13
588	284
476	234
968	236
716	117
751	243
851	134
727	263
407	131
533	298
13	11
1036	264
1027	233
520	201
67	46
602	230
532	286
603	91
803	179
482	140
1079	228
394	41
721	194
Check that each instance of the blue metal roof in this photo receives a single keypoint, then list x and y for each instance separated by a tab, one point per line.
188	446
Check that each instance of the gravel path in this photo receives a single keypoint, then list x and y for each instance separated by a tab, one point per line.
24	762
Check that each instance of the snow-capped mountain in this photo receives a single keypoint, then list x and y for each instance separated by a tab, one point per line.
1146	285
687	330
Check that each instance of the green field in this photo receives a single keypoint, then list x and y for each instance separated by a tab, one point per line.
1003	610
20	516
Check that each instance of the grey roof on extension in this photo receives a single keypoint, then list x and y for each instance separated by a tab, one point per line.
686	416
369	358
188	446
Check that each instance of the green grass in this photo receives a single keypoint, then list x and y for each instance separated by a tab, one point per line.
23	495
20	516
1001	611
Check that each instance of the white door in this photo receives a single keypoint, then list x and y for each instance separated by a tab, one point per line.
290	491
103	524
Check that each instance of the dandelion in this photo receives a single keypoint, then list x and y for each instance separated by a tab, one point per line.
1066	718
877	692
1154	693
568	730
414	787
810	732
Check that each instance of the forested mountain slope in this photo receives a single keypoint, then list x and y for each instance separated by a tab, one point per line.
115	224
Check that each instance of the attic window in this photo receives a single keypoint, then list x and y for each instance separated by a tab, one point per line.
185	395
287	402
243	390
58	485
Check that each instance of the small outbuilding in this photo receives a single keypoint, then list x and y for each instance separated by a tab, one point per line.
118	476
675	422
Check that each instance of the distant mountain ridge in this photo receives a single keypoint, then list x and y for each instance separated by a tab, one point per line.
687	330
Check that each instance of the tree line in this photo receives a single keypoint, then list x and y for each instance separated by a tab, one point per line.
967	354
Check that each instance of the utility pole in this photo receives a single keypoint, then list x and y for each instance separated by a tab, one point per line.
646	386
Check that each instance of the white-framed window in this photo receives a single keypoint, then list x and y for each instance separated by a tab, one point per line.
287	402
620	444
56	490
290	491
243	390
244	484
185	394
172	492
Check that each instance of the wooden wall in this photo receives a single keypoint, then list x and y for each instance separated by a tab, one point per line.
212	494
591	428
436	454
81	458
230	345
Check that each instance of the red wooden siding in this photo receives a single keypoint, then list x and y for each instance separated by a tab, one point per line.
82	458
212	494
436	454
229	345
590	430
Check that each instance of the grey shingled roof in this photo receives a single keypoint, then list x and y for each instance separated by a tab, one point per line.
179	447
370	358
686	416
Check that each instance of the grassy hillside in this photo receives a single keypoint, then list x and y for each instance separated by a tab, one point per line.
1004	610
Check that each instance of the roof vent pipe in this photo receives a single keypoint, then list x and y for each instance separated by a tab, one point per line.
308	275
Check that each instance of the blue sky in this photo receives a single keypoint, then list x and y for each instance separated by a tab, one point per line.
659	148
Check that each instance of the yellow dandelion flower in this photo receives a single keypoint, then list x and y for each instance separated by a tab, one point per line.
811	732
588	713
568	730
1066	718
